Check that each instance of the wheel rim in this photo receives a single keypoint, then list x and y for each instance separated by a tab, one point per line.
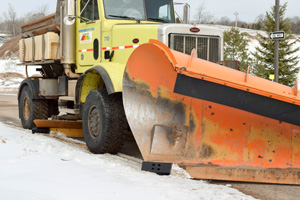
94	122
26	108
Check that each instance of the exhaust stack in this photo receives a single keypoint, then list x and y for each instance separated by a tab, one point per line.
67	36
186	13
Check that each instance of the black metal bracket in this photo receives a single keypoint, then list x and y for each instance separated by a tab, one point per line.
158	168
40	130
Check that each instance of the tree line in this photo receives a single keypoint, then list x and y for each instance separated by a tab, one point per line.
202	16
10	22
261	61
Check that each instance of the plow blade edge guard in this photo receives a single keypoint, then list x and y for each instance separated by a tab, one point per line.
216	122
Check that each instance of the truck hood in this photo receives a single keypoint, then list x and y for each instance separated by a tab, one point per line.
133	34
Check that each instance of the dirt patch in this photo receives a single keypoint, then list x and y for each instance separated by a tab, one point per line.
9	75
10	48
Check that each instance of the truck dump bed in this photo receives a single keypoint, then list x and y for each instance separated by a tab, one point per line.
41	26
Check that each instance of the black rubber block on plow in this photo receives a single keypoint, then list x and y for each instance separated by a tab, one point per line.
40	130
158	168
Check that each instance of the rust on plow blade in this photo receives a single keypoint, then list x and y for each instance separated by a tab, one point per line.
217	122
280	176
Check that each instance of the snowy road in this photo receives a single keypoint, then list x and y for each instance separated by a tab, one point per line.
41	167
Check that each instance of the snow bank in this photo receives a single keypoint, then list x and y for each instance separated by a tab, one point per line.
11	75
248	31
11	66
39	167
9	85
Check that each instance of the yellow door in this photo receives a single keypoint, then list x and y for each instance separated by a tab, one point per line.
88	34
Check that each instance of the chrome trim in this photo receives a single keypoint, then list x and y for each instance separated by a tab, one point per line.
165	31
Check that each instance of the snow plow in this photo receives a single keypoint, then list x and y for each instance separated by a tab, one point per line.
217	122
111	66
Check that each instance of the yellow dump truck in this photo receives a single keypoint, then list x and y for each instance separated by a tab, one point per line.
107	64
85	46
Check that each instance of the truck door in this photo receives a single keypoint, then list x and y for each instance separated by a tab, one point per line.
88	33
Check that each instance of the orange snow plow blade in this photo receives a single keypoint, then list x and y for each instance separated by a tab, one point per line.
216	122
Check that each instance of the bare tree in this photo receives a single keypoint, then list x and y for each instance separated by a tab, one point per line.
11	24
225	21
11	17
2	27
295	22
202	16
38	13
43	9
258	21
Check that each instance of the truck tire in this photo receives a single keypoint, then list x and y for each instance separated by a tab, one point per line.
52	107
104	122
31	109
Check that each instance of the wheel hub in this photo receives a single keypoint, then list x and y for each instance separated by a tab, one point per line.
94	122
26	108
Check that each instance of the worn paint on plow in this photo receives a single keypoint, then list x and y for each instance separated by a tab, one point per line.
199	134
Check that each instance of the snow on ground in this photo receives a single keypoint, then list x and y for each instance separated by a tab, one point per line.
11	66
248	31
8	84
11	74
39	167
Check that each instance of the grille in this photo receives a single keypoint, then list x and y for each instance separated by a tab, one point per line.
207	47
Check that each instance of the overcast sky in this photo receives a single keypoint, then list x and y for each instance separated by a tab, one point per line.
248	10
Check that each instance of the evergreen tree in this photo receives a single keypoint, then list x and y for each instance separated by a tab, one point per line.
263	64
236	47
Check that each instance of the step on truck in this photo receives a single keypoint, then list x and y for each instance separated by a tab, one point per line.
110	66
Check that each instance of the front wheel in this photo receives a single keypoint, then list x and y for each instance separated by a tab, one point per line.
104	122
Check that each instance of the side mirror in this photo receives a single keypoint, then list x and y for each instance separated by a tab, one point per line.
69	17
70	7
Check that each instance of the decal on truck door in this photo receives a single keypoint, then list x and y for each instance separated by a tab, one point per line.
86	37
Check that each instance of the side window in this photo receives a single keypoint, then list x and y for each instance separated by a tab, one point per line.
89	9
164	12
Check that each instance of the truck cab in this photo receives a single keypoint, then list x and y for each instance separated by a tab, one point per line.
83	49
108	30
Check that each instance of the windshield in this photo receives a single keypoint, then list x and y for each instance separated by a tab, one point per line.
152	10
